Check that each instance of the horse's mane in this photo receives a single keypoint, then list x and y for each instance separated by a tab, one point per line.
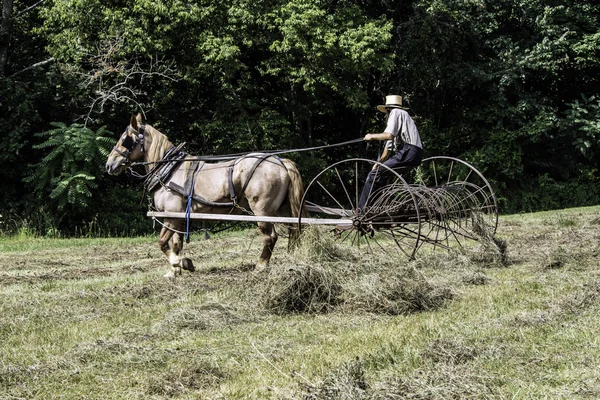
158	146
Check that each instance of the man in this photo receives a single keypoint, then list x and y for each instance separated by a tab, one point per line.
403	150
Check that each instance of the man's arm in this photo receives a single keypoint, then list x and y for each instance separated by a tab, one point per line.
384	156
378	136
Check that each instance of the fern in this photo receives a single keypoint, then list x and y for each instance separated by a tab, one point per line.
73	161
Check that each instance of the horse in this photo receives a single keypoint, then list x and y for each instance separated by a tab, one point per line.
259	182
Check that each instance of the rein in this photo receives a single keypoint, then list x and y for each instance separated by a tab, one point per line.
234	156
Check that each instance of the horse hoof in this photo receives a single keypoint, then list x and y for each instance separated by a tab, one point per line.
187	264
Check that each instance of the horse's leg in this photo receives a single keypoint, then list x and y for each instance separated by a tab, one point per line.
171	244
269	240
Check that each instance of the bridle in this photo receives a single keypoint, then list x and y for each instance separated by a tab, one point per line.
129	143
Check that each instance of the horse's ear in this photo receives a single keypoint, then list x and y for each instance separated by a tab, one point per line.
133	122
139	118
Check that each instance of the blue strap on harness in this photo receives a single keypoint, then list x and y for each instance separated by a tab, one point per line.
190	183
188	210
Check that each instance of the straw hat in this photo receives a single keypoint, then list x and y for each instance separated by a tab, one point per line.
391	101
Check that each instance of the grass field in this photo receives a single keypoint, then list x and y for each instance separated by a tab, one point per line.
95	319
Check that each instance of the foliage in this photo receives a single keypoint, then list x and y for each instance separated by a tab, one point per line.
511	86
67	175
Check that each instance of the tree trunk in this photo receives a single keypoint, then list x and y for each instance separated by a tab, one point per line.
5	24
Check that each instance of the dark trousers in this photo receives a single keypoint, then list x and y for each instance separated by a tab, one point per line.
405	159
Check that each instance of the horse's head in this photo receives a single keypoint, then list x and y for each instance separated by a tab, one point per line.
129	148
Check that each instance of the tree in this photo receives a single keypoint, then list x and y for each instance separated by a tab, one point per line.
69	172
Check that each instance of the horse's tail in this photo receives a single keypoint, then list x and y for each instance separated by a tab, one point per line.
295	194
295	190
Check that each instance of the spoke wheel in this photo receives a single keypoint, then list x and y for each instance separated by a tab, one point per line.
391	224
460	204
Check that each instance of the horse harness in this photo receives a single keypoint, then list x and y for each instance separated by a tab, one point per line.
175	156
172	159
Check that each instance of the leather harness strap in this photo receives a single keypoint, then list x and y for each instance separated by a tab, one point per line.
260	159
189	183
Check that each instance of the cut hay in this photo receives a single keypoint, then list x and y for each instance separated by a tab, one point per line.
558	258
301	288
492	252
398	293
347	382
450	351
477	278
183	380
199	318
444	381
444	261
319	245
588	296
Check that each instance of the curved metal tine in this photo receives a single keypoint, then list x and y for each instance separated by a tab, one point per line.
346	234
436	240
356	238
382	210
383	249
443	226
398	239
459	230
377	206
330	195
344	187
481	189
398	233
487	206
399	242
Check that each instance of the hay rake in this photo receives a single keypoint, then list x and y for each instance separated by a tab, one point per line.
449	205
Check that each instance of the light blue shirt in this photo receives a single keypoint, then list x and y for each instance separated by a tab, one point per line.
403	129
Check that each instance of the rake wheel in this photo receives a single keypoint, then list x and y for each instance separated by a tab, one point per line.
391	225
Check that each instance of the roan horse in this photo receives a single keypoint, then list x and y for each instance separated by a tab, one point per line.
264	184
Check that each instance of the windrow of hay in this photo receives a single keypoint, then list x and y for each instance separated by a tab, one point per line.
449	377
400	291
389	290
450	351
301	288
491	252
588	296
477	278
444	261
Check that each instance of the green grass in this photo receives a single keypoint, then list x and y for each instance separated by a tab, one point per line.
95	319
